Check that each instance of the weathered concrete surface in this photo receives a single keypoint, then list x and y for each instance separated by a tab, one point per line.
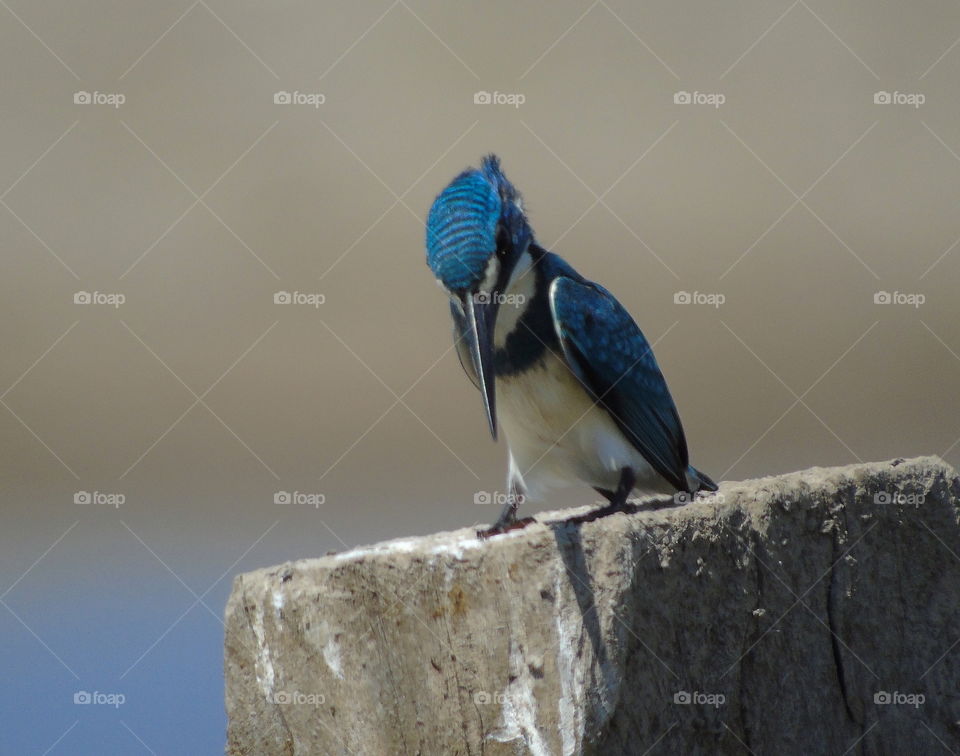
782	606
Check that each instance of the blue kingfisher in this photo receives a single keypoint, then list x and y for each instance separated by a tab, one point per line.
562	367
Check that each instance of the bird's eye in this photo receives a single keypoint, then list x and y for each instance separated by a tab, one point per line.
503	240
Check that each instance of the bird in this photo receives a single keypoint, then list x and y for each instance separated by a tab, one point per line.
562	367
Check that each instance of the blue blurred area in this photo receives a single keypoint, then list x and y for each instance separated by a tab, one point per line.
104	612
172	699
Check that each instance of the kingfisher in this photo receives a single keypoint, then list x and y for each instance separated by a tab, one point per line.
563	369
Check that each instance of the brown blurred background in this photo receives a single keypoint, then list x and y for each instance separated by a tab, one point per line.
788	186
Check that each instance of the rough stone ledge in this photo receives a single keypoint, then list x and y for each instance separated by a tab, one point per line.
776	617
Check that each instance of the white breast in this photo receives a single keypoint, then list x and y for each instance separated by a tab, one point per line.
558	437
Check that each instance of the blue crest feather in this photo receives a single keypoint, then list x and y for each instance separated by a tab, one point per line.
463	223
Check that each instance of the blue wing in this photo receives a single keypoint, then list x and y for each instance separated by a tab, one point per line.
608	353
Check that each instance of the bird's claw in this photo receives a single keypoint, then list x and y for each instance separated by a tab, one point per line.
500	528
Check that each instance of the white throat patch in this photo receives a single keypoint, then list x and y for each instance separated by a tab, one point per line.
491	275
516	298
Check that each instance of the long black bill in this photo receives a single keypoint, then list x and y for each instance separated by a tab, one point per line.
482	316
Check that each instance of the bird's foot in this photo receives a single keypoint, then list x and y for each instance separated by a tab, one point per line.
499	528
617	499
625	506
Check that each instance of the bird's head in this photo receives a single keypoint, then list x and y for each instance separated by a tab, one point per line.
476	233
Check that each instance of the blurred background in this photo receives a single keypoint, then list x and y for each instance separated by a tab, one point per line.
770	188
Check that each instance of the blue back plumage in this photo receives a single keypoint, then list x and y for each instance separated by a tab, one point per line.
610	355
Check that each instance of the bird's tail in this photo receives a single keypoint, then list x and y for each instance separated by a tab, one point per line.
698	481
